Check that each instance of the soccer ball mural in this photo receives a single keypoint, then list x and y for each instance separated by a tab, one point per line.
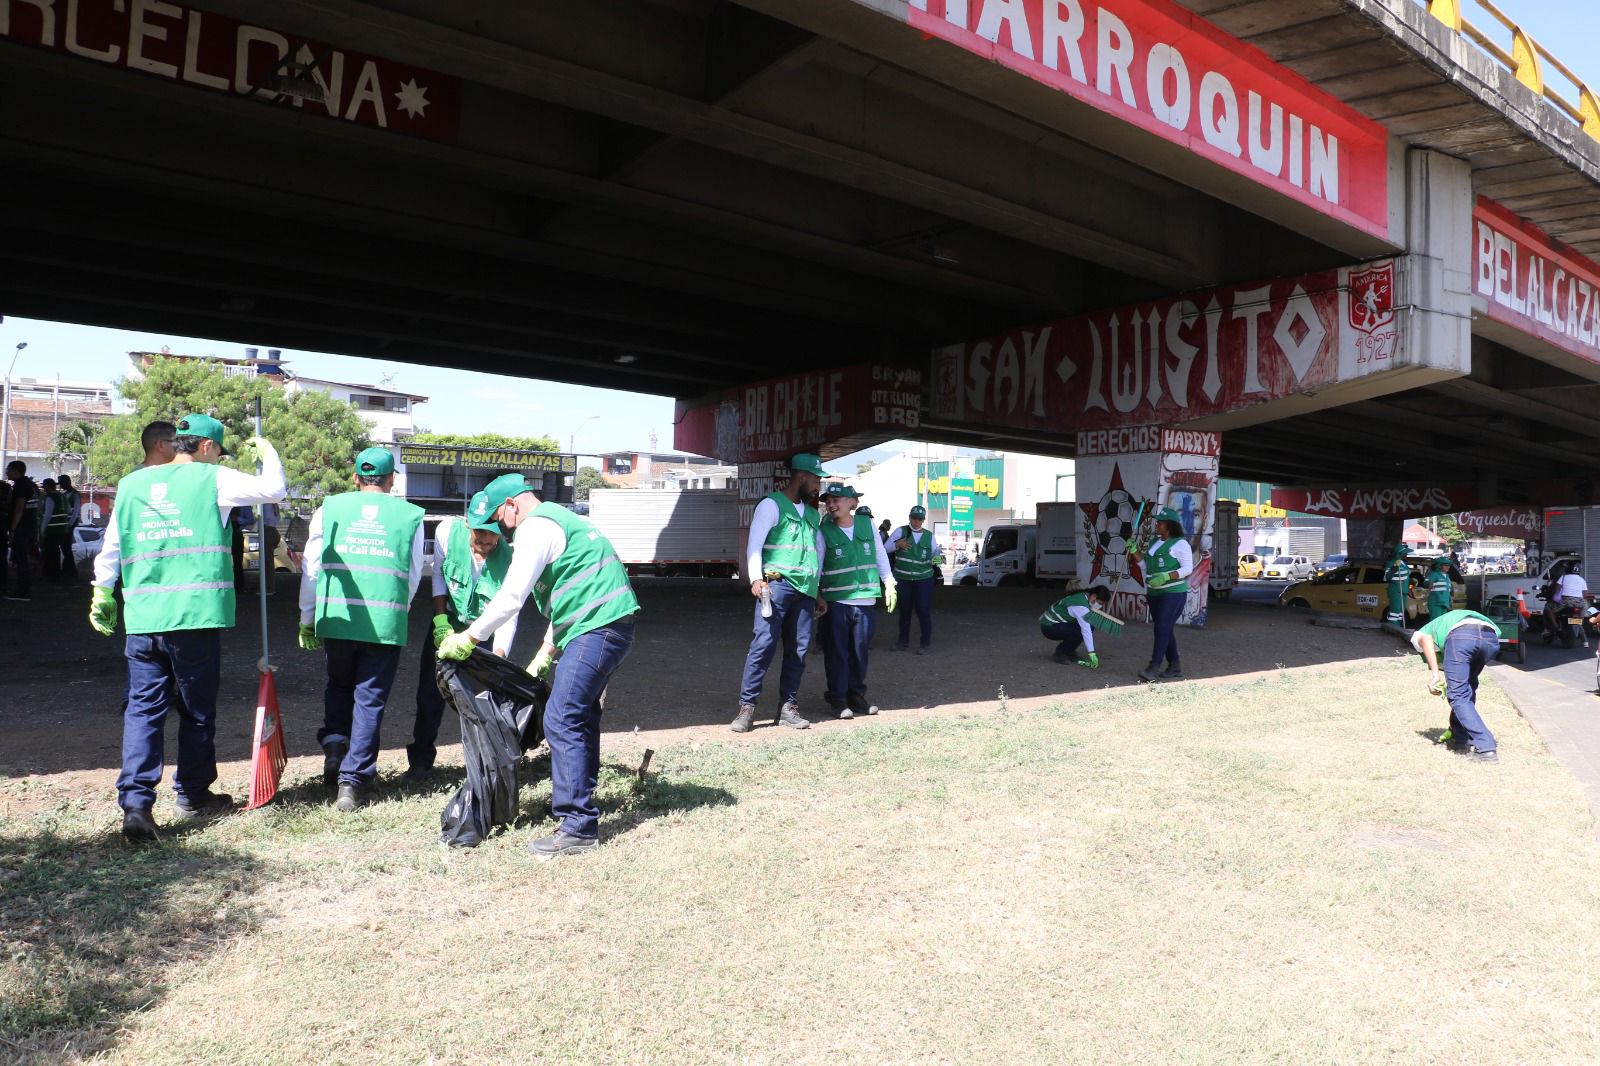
1110	526
1114	529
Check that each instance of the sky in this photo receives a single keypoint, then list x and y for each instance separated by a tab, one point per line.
590	420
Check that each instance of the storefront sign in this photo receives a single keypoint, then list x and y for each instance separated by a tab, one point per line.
1395	502
961	505
1132	369
486	459
1174	75
1518	523
987	488
214	52
1529	283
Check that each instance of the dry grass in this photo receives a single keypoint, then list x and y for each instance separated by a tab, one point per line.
1275	871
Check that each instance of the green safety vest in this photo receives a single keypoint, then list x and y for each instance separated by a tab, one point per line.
364	586
586	586
1440	590
177	554
64	514
916	562
1162	562
850	567
468	594
1058	610
790	549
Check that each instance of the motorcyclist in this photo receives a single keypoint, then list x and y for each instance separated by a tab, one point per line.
1567	592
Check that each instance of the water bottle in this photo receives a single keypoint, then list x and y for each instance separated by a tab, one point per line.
766	601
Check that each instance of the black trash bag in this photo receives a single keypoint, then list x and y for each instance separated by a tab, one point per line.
502	716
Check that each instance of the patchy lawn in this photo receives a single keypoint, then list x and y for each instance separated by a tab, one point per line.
1281	870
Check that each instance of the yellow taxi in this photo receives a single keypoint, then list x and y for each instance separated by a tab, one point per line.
1250	565
1358	589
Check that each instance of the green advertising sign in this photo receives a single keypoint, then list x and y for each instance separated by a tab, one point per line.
987	485
961	505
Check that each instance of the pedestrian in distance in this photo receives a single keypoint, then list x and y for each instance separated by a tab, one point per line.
580	585
167	544
58	517
1168	564
157	440
854	568
5	536
470	561
1072	620
1397	575
1456	646
23	529
1441	589
916	553
362	566
782	557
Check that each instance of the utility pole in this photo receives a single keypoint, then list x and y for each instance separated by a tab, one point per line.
5	410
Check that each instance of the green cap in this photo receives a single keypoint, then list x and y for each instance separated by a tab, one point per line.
839	488
864	511
809	464
503	488
202	426
1167	514
1402	550
919	511
1441	562
375	462
480	515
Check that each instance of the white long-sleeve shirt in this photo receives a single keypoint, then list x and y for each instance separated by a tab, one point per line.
234	489
311	566
535	544
507	633
915	536
762	520
1183	556
885	574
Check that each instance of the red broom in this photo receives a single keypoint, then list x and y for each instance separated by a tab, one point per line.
268	755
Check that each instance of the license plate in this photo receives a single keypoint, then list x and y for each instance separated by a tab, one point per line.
1366	600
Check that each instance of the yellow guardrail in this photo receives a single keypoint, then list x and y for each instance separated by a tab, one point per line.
1526	60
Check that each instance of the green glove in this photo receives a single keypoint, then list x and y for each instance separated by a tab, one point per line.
103	612
1092	662
1444	738
543	664
1163	579
456	646
891	596
309	641
250	451
441	629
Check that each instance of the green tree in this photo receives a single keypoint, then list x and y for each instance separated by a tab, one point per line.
588	478
316	435
487	440
74	440
1449	531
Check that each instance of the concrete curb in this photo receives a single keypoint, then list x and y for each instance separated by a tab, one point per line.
1567	721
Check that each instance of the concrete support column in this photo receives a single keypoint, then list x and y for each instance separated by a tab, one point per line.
1438	233
1153	466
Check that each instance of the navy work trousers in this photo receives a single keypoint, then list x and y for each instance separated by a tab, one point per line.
1164	612
170	671
421	752
916	596
846	638
1070	634
789	627
1465	652
572	724
360	676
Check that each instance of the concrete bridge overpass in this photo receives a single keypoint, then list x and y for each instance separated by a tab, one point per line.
1335	231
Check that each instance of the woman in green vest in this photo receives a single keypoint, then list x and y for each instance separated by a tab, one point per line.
1167	565
916	553
470	560
579	584
854	568
1072	620
1441	590
363	563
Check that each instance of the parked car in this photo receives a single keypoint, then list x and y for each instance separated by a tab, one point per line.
1358	589
86	541
285	560
1250	566
1330	564
1287	568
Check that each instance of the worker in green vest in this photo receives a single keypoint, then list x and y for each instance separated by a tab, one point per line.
580	585
916	553
168	543
1168	562
470	560
1072	620
362	565
59	514
1441	590
1398	577
783	556
854	568
1456	646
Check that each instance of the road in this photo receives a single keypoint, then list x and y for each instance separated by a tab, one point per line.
1259	592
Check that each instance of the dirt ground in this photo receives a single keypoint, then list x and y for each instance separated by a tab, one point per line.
60	688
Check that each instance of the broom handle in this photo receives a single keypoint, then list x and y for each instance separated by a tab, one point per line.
261	554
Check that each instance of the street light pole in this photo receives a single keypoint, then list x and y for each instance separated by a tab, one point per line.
5	409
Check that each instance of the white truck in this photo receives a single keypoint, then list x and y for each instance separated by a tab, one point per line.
693	533
1026	552
1482	589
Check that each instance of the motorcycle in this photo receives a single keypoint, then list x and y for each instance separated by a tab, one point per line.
1572	622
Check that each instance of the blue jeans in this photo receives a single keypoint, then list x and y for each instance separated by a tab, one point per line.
421	752
1164	612
1070	634
572	724
360	676
170	671
916	596
790	625
1465	651
846	635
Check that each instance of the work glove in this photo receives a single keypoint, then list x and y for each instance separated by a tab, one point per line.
441	629
103	612
1092	662
251	451
891	596
309	641
544	663
456	646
